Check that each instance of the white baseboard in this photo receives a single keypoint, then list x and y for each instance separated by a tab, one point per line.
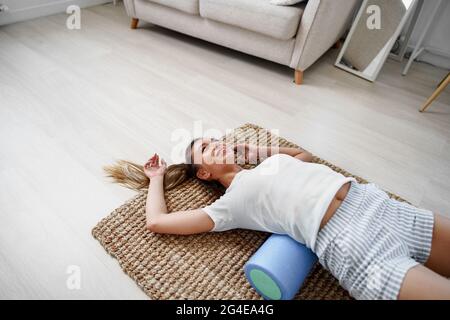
53	7
433	50
434	56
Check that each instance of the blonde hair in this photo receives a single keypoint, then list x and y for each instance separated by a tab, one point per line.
132	176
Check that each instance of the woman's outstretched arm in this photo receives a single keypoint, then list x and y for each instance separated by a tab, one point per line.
157	218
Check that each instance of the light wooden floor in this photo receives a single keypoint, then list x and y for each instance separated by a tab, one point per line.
72	101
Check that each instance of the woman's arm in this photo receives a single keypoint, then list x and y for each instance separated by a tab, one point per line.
252	152
157	218
298	153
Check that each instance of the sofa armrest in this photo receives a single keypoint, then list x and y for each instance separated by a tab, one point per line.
129	7
323	22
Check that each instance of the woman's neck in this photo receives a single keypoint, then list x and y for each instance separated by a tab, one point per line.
227	178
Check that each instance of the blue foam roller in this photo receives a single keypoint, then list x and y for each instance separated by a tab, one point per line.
279	267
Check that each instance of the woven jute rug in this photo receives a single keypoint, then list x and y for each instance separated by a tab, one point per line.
204	266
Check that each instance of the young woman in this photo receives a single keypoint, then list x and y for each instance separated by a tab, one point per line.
377	247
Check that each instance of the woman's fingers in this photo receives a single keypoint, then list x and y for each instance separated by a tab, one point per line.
151	159
155	162
148	163
151	162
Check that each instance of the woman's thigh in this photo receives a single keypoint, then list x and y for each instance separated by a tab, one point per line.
439	260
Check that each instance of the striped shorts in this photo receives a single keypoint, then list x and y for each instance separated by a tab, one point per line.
372	241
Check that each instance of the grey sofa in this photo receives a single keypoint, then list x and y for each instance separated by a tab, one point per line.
295	36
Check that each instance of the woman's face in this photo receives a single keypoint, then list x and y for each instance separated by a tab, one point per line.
214	158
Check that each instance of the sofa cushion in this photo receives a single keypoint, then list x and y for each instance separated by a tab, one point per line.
188	6
259	16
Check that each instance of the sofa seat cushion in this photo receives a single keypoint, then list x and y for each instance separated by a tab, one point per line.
260	16
188	6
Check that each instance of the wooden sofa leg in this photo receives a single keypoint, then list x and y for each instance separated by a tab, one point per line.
134	23
337	45
298	77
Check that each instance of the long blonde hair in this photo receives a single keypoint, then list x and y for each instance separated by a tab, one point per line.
131	175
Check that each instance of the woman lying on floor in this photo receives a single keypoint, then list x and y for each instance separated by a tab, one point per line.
377	247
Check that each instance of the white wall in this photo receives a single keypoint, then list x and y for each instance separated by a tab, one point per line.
438	38
20	10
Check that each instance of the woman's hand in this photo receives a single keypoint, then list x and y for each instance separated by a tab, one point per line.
247	152
154	168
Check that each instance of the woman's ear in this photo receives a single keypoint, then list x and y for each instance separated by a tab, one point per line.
203	174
